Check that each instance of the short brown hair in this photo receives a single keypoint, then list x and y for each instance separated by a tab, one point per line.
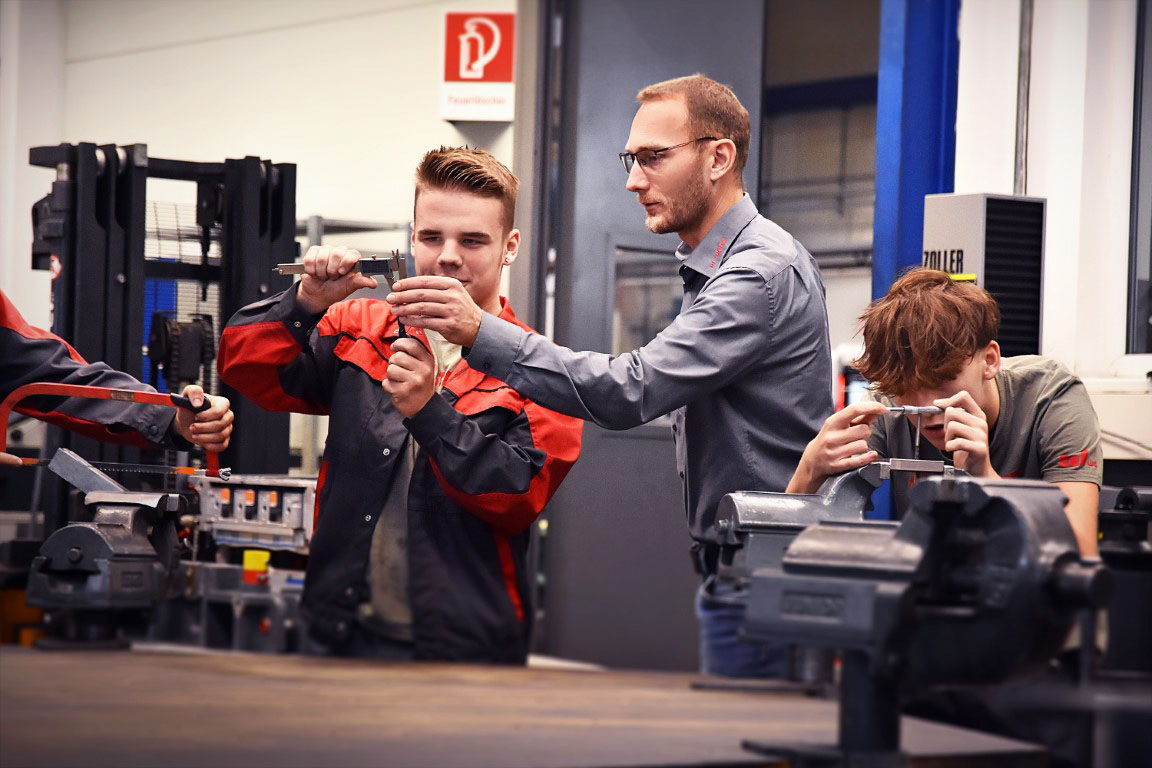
924	331
713	110
469	170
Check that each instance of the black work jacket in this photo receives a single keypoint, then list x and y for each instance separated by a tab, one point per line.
488	462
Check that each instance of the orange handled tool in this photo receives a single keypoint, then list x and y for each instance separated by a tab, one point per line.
109	393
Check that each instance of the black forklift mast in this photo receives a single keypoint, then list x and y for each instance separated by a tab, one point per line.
90	231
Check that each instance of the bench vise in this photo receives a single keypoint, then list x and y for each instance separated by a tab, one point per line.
94	578
980	581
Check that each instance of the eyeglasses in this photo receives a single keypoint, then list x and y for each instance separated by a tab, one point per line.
647	156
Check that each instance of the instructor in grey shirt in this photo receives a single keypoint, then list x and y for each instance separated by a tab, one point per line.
745	369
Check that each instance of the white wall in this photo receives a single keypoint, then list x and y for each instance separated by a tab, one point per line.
346	89
31	113
1079	159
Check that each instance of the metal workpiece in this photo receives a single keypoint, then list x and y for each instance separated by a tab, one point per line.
934	466
80	474
917	411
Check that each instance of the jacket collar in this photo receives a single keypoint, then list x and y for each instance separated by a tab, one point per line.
707	257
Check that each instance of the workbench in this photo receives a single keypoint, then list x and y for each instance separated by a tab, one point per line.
217	709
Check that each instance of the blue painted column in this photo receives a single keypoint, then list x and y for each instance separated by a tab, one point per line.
915	139
915	127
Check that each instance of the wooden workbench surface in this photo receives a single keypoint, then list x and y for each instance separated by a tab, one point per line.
223	709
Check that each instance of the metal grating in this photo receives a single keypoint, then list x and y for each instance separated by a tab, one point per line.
1013	267
171	234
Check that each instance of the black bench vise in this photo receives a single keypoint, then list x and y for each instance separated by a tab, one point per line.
95	579
980	581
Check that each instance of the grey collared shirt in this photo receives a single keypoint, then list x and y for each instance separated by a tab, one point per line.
745	368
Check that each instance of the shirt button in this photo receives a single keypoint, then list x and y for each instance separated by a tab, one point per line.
681	475
367	518
350	592
341	627
387	451
297	323
152	429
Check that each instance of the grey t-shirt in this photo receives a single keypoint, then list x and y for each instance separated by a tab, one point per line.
1047	429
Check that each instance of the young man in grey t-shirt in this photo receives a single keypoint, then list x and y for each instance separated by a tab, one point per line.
931	341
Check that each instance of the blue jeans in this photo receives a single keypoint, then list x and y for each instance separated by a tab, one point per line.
723	652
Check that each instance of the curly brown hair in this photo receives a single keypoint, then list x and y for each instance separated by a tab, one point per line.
923	332
469	170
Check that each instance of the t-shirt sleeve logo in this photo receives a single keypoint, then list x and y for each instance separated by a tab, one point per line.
1073	460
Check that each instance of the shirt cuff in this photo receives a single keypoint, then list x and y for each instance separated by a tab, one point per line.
296	319
431	422
157	423
497	344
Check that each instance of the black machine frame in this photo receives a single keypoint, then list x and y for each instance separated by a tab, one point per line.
90	231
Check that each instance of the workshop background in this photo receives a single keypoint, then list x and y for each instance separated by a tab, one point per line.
348	91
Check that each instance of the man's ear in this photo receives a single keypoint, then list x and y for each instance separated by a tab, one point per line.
991	359
511	247
723	158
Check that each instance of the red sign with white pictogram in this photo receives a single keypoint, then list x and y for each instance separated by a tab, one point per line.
479	61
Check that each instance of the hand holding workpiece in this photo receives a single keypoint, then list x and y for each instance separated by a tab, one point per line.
211	428
841	445
329	277
966	434
441	304
411	378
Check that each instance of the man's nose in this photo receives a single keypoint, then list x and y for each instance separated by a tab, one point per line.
450	254
636	179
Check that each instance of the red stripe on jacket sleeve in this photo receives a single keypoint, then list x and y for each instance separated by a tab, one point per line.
558	437
10	317
250	360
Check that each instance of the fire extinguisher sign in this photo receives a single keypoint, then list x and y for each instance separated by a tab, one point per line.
479	53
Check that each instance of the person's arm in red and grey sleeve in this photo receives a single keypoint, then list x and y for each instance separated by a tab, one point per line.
29	354
506	479
280	355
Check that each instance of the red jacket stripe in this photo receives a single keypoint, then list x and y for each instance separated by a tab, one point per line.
514	512
248	360
508	567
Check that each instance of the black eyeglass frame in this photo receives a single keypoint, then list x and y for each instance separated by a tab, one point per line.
628	159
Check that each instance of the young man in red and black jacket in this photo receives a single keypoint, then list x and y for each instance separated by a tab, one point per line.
433	472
